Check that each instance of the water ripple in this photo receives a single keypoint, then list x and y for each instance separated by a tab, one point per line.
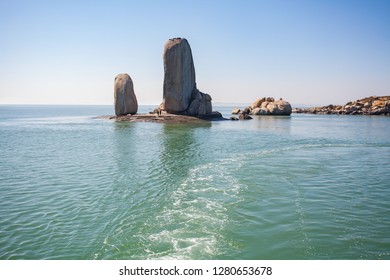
76	188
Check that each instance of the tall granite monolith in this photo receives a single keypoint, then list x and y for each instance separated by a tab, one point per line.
179	75
124	97
181	95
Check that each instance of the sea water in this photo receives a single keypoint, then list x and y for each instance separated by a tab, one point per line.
298	187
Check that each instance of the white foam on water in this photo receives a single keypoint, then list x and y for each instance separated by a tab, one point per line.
191	225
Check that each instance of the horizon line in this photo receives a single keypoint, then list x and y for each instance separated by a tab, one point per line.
222	104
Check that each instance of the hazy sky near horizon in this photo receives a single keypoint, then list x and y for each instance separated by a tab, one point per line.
307	52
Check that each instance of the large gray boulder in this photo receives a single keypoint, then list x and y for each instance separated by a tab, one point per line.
280	107
268	106
179	77
200	104
124	97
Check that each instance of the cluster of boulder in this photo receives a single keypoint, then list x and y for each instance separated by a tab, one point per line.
180	93
373	105
265	106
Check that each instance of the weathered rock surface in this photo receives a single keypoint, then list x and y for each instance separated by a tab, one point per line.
180	94
260	111
373	105
247	110
280	108
179	75
236	111
125	101
258	102
268	106
200	104
243	116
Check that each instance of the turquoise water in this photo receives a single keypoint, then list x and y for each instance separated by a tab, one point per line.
299	187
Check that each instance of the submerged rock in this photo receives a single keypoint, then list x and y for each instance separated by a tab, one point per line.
247	110
243	116
125	101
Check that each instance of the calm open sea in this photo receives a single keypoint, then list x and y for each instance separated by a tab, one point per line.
299	187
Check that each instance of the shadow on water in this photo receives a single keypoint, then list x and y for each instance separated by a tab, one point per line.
136	190
179	152
114	203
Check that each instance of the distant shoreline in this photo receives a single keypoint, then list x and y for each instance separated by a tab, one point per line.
373	105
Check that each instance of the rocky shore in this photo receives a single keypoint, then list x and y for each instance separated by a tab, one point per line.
264	106
373	105
166	118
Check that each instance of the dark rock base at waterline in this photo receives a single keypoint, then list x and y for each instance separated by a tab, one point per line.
167	118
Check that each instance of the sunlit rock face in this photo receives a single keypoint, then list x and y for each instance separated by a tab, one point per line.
268	106
179	75
125	101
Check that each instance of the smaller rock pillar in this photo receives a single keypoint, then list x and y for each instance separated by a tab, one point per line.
124	96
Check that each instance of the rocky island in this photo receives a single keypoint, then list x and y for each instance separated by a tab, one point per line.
373	105
264	106
181	95
182	101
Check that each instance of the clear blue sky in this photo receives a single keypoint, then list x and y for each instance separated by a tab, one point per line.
308	52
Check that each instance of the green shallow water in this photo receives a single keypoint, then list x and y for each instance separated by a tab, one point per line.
299	187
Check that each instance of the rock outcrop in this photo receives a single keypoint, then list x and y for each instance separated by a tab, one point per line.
200	104
268	106
180	94
373	105
279	108
236	111
179	75
125	100
243	116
